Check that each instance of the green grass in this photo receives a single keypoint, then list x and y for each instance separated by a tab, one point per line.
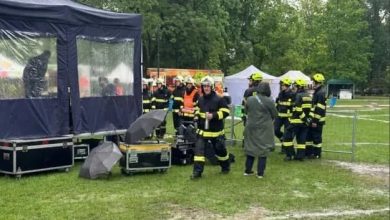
288	187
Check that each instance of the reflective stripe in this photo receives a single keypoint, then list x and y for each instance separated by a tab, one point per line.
223	158
298	109
153	99
317	116
317	145
284	115
146	110
225	110
176	110
202	115
188	115
288	144
309	142
153	107
296	121
161	100
146	101
210	133
306	106
285	103
322	119
306	99
220	115
199	158
302	116
300	146
178	98
321	106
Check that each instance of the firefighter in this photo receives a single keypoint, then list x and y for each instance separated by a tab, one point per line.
177	97
190	101
284	108
211	111
298	123
160	101
147	99
318	112
254	80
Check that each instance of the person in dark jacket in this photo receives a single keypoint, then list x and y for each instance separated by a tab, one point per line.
34	75
147	101
298	126
259	132
284	108
177	97
108	89
254	80
317	114
160	100
212	109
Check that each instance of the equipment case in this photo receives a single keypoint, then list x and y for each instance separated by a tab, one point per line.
145	156
23	156
80	151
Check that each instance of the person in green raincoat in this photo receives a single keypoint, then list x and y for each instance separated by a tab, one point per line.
259	130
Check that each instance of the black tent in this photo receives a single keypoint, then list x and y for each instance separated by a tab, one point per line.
335	85
67	68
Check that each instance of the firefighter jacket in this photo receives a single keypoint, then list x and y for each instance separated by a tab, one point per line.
216	105
284	103
177	96
251	91
190	102
301	108
147	100
318	110
161	98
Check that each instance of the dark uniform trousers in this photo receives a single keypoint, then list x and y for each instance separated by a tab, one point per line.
278	123
314	141
219	147
300	132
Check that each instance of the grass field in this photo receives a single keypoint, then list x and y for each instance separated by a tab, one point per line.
315	189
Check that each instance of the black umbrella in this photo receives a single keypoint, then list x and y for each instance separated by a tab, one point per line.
144	125
100	160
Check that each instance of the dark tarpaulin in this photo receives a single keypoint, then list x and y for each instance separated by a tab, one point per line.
49	117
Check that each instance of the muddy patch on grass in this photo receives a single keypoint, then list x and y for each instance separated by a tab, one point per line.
378	171
184	213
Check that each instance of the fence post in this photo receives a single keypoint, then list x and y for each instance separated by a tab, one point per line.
354	120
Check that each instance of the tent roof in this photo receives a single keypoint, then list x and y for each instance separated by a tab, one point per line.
65	11
340	82
244	74
295	74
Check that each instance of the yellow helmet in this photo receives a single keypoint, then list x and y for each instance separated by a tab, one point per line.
300	82
286	81
318	77
207	80
189	79
257	76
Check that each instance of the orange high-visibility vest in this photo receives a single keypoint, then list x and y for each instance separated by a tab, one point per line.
188	100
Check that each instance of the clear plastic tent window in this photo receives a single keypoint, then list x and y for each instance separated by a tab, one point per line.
105	66
28	65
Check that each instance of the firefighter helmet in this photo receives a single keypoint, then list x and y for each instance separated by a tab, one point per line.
144	81
207	80
285	81
300	82
257	76
189	79
179	78
318	77
159	80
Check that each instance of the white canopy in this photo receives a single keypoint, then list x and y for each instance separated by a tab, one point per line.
294	75
238	83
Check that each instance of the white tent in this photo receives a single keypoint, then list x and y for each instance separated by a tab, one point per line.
238	83
294	75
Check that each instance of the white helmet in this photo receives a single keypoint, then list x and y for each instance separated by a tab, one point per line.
179	78
207	80
160	80
189	79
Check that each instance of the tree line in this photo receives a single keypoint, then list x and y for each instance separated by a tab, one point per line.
343	39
